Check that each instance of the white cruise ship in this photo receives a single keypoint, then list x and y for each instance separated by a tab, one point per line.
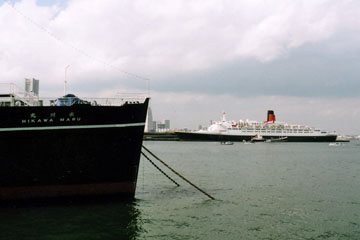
225	130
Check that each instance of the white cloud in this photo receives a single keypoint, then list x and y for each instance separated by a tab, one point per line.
157	38
285	26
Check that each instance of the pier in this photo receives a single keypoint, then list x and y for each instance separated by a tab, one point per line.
160	136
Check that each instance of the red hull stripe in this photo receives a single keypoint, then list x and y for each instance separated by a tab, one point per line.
27	192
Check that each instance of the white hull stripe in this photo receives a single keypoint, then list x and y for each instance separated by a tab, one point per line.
72	127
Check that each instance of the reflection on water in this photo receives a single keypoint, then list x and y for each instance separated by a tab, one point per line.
109	220
274	191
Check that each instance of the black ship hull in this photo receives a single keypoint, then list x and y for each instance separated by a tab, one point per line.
78	150
206	137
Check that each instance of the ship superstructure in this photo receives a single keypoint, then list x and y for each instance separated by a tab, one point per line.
246	130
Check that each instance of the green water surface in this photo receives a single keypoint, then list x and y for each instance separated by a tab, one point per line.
262	191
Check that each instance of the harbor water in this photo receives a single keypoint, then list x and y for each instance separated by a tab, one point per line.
262	191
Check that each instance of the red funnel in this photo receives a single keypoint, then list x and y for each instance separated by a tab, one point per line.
271	116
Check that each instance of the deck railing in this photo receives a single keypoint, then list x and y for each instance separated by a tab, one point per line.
16	96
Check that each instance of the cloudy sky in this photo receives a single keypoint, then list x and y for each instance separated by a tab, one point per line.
300	58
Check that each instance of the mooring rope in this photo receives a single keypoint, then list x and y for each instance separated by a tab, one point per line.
159	169
182	177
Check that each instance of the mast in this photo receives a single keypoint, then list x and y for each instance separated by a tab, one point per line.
65	81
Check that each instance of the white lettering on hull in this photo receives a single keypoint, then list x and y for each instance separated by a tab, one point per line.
73	127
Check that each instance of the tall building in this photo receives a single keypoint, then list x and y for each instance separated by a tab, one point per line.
150	125
167	124
32	85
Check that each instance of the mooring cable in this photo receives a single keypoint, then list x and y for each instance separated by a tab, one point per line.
159	169
182	177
